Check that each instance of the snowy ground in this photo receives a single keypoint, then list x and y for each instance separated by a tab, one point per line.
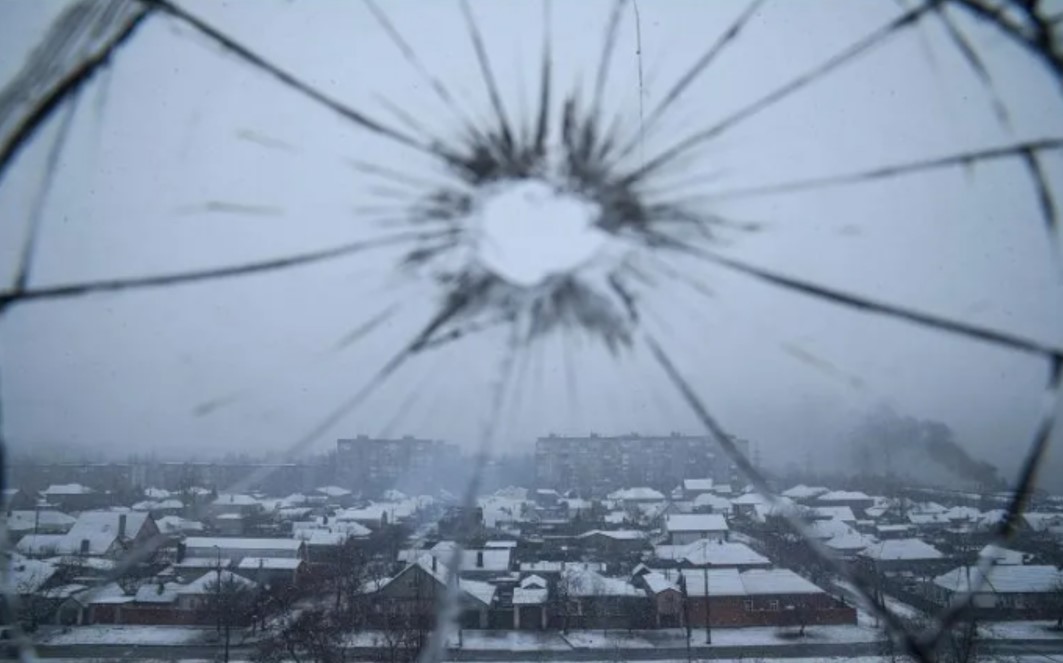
1039	630
126	635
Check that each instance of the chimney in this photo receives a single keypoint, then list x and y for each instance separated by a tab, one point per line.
325	521
479	559
121	525
84	546
433	563
182	549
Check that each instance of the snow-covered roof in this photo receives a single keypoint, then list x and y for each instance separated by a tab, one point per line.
754	582
641	493
1013	579
40	544
63	591
720	582
333	491
27	520
696	522
776	581
616	534
242	543
85	563
615	517
902	549
828	529
67	489
852	541
157	593
658	582
484	592
29	575
697	485
156	493
715	553
483	559
929	519
876	511
551	566
237	499
844	496
500	544
713	501
111	592
898	527
803	492
1002	556
533	590
177	524
750	499
842	513
967	513
320	537
1043	521
273	563
584	582
205	583
100	529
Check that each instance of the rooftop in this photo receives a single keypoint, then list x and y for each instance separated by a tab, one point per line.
902	549
242	543
1013	579
696	522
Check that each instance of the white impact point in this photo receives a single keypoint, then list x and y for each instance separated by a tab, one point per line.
529	232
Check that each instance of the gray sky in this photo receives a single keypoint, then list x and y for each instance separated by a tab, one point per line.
179	135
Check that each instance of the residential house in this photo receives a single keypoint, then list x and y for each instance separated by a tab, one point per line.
854	499
235	549
587	599
235	503
613	542
712	553
665	594
95	534
482	563
1013	591
530	599
759	597
691	489
416	590
39	521
711	503
802	494
272	571
690	527
74	497
15	499
903	555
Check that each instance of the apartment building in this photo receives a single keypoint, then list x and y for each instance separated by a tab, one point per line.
599	464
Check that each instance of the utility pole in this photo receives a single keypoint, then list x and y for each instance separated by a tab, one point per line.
708	612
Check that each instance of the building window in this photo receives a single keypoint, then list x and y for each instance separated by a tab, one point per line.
748	605
773	606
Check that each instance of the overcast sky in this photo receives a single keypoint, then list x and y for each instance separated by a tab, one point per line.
184	157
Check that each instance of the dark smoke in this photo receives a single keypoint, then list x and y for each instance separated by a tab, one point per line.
888	443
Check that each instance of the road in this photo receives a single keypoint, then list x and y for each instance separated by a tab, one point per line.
789	650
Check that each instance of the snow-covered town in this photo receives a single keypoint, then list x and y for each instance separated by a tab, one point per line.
537	330
708	567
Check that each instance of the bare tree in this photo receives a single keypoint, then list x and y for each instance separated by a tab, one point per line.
229	604
311	635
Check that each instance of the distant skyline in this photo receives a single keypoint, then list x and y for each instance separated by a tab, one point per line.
182	157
